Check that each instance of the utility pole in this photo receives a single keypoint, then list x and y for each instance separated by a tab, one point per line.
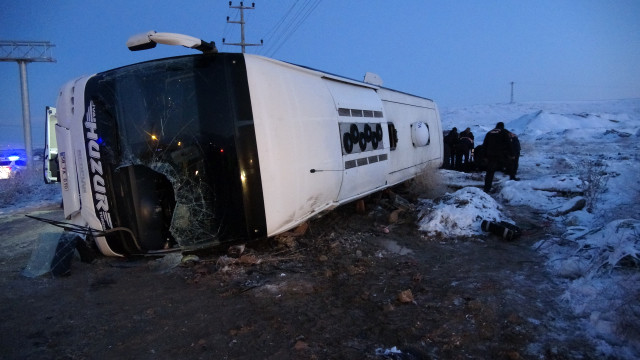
512	92
24	52
241	22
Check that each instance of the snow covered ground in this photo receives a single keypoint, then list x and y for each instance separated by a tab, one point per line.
28	191
572	153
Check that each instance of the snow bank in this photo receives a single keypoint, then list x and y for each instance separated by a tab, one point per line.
459	214
542	193
599	251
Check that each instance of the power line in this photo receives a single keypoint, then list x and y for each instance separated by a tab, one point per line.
285	27
299	19
294	22
275	29
311	8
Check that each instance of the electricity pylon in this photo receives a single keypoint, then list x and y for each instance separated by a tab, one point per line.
24	52
241	22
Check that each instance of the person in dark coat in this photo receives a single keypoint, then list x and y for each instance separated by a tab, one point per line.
498	152
479	159
451	141
446	156
515	152
467	134
463	149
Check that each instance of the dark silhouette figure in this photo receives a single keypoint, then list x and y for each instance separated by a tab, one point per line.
515	153
498	152
450	142
463	149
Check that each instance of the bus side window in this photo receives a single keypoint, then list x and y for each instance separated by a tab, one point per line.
393	136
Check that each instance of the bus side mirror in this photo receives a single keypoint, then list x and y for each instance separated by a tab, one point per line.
151	38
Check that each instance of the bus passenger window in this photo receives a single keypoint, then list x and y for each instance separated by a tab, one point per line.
393	136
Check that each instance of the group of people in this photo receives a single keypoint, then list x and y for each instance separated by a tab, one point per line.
499	151
458	150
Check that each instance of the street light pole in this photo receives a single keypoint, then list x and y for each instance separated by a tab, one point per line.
512	92
26	116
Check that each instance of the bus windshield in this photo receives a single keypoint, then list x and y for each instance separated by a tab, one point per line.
173	116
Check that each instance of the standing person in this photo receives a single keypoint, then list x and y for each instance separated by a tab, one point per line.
515	153
451	140
498	151
467	134
446	161
465	144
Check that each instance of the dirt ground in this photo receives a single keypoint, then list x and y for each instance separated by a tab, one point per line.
346	289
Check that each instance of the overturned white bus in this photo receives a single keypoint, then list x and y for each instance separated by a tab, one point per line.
196	150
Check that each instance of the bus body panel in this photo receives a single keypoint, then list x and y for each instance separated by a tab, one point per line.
404	110
295	124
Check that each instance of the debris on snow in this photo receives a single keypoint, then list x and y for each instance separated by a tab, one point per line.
574	204
406	296
166	262
387	352
236	250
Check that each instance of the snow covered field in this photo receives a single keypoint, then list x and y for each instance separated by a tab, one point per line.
572	153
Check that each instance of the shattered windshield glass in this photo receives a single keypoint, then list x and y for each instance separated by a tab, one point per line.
173	117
